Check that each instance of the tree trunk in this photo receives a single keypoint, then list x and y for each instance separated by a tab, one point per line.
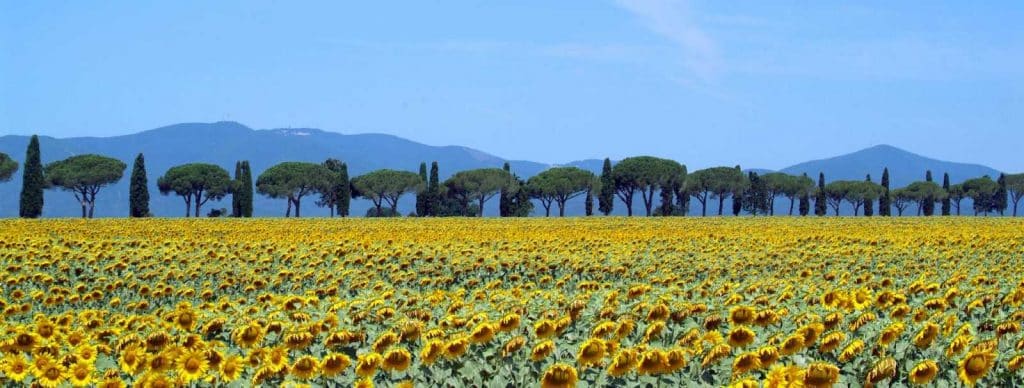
83	209
721	203
298	202
547	210
791	200
288	213
856	209
92	206
1015	209
188	205
704	208
481	206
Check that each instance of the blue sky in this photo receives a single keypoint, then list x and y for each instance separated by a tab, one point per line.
760	83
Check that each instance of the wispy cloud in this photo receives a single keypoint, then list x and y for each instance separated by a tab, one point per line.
673	20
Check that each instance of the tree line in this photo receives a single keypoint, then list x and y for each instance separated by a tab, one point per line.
663	187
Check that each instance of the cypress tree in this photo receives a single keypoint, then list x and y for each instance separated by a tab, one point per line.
433	207
32	183
606	198
869	206
588	204
999	201
421	196
946	203
247	189
505	197
928	204
236	194
820	207
138	190
884	204
345	194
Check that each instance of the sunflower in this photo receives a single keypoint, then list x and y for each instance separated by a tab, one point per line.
15	367
304	368
248	336
741	336
192	365
482	333
509	322
544	328
81	373
231	368
820	375
513	346
927	335
1015	363
792	345
367	364
891	333
784	377
924	372
431	351
333	364
883	369
768	355
111	382
622	363
745	362
851	350
591	352
741	315
51	375
160	362
975	366
675	360
652	361
364	383
158	380
716	353
456	347
384	341
559	376
542	350
298	340
276	359
24	341
397	360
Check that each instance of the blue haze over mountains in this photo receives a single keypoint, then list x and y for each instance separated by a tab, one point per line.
224	143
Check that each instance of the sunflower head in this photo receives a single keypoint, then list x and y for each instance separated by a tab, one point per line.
924	372
559	376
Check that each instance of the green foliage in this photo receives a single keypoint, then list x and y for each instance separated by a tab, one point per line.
477	185
805	197
981	191
32	183
421	195
337	188
755	197
955	195
789	186
857	193
884	201
84	176
241	191
901	199
383	212
606	196
1015	189
928	202
869	209
946	203
236	200
196	183
433	205
386	187
559	185
505	195
645	174
999	202
7	167
714	182
138	190
344	191
820	197
925	192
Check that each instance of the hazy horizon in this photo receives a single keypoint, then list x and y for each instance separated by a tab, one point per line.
765	85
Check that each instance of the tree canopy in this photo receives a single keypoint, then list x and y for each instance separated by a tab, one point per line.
477	185
924	192
84	175
854	192
645	174
386	187
714	182
196	183
1015	187
981	191
559	185
294	180
7	167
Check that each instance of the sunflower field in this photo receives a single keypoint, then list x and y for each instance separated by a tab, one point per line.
656	302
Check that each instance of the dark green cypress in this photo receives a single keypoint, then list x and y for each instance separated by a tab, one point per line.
138	190
606	197
820	207
1000	201
884	201
928	204
245	203
588	204
947	205
421	196
505	197
345	194
434	191
33	183
236	194
869	206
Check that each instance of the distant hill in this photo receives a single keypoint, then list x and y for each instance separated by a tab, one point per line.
223	143
904	167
